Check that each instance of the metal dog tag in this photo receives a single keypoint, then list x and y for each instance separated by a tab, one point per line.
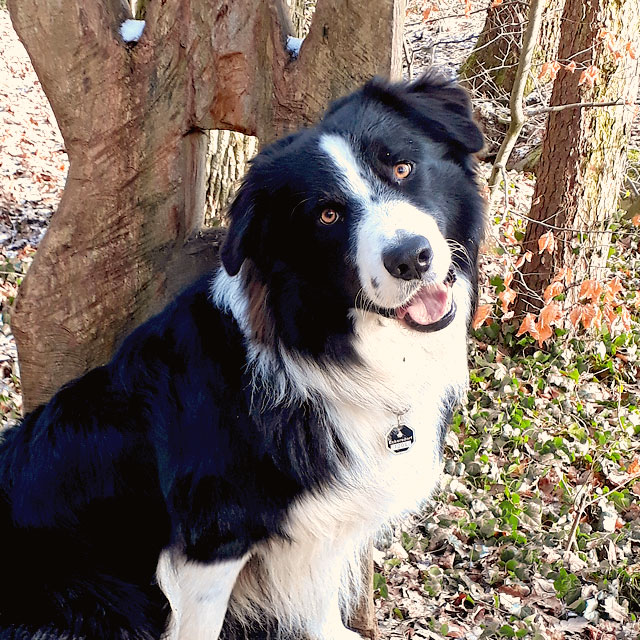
400	439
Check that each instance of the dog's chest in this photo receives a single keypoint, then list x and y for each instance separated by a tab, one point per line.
403	399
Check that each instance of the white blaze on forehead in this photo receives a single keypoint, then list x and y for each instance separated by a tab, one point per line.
381	221
350	172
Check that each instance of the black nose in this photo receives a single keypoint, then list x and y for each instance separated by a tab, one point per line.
408	258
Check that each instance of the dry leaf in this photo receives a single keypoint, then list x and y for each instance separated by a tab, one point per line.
575	315
482	312
528	326
591	316
631	50
625	318
551	313
590	76
553	290
507	297
591	290
547	242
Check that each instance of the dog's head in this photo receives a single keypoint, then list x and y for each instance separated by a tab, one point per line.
375	208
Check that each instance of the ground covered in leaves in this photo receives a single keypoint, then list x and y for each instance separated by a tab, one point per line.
536	530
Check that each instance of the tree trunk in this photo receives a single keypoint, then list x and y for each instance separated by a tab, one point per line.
583	157
228	157
127	234
491	68
301	15
230	151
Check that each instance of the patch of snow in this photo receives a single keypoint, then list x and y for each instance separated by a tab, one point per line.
131	30
293	45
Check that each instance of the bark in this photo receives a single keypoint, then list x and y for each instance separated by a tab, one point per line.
227	161
128	233
583	158
301	15
492	66
139	9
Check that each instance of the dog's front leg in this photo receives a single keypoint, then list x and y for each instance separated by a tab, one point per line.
328	625
198	594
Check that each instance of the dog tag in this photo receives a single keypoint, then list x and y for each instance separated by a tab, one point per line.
400	439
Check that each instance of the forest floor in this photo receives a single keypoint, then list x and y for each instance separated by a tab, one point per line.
535	532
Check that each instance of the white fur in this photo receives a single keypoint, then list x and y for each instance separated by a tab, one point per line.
406	374
351	174
377	231
198	594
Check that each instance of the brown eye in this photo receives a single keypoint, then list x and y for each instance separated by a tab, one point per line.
329	216
402	170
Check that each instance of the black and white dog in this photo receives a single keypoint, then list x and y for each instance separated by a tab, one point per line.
241	446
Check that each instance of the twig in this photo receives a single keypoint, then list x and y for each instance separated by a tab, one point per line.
464	15
548	225
531	113
582	498
631	478
408	56
463	40
505	180
517	95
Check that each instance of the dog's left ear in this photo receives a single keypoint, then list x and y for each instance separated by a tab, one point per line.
241	213
448	106
436	103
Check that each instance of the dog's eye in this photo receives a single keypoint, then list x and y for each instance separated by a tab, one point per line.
329	216
402	170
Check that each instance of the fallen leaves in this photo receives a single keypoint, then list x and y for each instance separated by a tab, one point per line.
482	313
33	164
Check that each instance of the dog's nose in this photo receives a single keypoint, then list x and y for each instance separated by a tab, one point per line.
409	258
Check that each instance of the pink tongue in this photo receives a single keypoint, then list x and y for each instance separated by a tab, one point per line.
428	305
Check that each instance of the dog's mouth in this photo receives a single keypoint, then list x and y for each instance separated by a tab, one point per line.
432	308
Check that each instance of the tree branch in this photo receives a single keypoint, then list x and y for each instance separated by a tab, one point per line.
531	113
517	94
83	35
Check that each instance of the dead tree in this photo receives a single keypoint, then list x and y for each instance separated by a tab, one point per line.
127	234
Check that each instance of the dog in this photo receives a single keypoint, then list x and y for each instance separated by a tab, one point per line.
243	445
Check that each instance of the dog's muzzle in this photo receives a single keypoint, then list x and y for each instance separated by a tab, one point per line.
431	308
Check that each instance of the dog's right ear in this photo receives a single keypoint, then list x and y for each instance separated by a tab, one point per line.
235	248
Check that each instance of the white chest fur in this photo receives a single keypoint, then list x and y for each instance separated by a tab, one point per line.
403	373
408	377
